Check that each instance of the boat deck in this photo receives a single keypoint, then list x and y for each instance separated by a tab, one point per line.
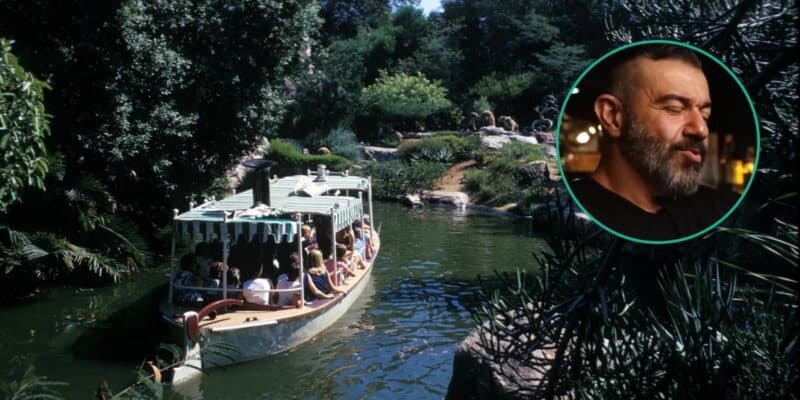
249	317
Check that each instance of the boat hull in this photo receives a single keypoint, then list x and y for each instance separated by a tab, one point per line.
263	338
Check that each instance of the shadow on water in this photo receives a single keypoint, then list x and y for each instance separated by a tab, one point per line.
131	333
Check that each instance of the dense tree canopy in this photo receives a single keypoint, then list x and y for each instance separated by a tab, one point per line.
164	96
24	125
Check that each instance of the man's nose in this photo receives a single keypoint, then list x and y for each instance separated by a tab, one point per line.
696	125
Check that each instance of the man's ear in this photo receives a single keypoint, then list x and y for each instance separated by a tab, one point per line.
608	109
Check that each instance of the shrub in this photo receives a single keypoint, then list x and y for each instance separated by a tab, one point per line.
494	86
481	104
292	161
438	152
503	180
445	119
395	178
525	152
491	188
403	97
685	328
341	141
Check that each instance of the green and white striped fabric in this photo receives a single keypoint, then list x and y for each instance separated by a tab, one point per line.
209	220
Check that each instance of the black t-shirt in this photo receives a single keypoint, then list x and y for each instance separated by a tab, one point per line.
679	216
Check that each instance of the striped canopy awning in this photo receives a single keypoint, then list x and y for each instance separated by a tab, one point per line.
223	217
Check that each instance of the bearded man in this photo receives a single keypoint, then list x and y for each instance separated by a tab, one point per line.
654	115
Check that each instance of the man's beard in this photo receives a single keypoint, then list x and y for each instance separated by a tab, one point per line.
659	161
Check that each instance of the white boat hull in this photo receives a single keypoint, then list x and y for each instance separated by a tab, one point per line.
253	340
261	339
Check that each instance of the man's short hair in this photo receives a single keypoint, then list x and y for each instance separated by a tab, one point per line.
616	75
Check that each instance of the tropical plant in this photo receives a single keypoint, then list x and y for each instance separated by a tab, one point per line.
24	126
30	387
592	324
444	147
437	153
68	233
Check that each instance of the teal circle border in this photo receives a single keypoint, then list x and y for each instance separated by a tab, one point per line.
726	69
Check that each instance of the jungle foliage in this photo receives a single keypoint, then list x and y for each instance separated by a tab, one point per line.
24	126
715	317
505	176
395	177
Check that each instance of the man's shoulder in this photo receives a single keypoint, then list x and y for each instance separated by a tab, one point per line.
588	191
712	198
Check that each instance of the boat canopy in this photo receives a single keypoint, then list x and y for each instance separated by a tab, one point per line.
288	195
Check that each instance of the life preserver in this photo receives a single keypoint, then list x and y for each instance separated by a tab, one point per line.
192	319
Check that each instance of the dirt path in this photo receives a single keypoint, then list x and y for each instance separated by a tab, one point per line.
453	179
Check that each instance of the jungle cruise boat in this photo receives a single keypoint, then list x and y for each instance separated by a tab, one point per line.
210	318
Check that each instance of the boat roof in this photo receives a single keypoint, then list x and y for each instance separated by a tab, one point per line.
288	195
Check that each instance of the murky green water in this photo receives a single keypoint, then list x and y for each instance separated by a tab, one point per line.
397	341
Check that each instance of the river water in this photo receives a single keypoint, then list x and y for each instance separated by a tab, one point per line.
396	342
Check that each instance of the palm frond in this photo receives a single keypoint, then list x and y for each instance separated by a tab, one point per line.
31	387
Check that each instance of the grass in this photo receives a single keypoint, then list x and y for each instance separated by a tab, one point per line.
292	161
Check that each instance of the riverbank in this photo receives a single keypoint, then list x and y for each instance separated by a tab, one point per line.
489	171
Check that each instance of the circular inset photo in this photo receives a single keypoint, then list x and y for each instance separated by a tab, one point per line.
657	142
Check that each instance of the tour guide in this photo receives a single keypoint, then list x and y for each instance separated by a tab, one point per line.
654	114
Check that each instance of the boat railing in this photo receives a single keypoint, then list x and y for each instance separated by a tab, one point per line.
237	290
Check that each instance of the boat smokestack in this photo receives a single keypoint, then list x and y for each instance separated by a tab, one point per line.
261	167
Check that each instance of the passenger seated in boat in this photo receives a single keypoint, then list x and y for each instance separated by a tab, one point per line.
202	257
286	281
187	278
257	289
309	241
363	244
214	279
234	278
341	266
352	257
359	244
318	283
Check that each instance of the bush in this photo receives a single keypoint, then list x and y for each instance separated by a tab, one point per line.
403	98
603	328
491	188
503	180
506	94
525	152
292	161
341	141
481	104
445	119
396	178
496	87
459	147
